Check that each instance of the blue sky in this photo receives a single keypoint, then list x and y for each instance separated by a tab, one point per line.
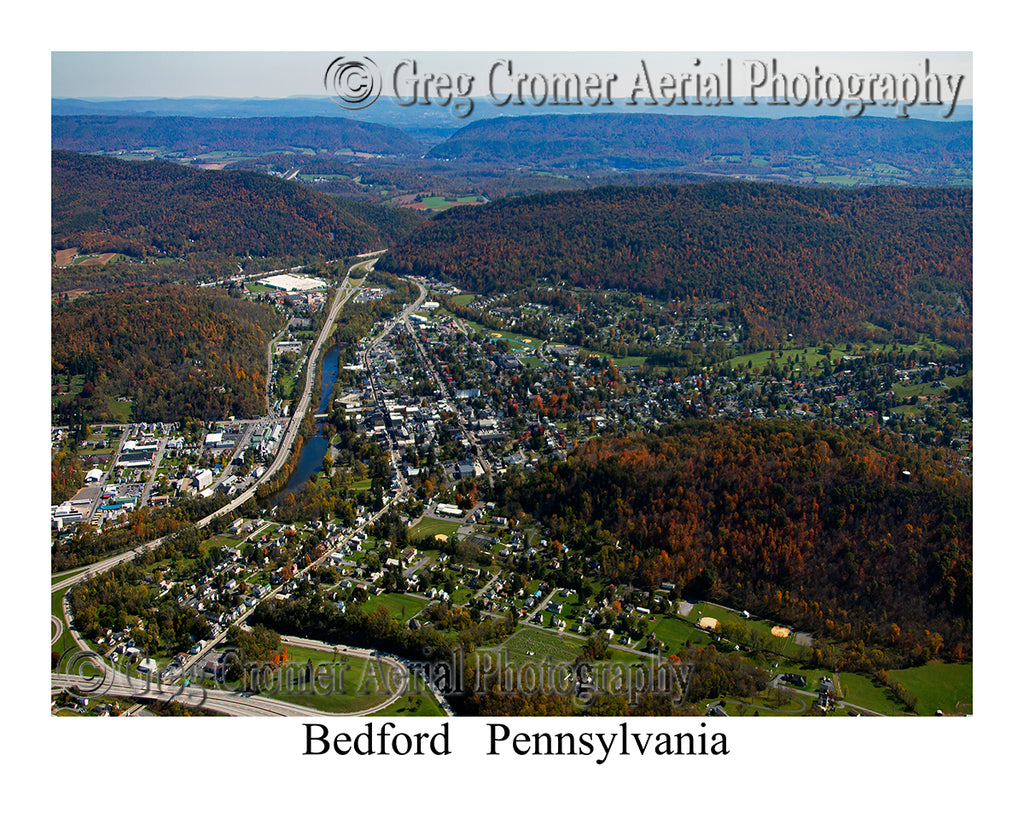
274	74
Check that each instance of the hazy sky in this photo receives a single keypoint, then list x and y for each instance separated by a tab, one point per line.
280	74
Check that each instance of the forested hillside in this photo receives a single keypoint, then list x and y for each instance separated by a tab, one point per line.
810	261
101	204
177	351
254	135
855	536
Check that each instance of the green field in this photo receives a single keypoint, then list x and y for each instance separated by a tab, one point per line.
346	682
436	202
401	606
443	203
810	358
429	527
946	687
674	632
222	540
525	342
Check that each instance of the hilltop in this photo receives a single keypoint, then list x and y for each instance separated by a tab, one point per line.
101	204
811	261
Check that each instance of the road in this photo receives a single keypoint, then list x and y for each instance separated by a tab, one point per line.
148	488
344	293
378	400
106	475
428	365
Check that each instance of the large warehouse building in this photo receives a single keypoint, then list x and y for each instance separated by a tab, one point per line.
293	284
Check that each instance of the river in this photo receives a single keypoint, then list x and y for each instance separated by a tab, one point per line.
313	451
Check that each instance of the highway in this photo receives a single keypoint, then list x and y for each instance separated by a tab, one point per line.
344	293
232	703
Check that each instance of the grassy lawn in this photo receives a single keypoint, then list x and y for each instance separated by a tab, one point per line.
909	390
401	606
908	409
462	300
65	642
462	595
120	411
412	705
363	683
674	631
859	689
222	540
946	687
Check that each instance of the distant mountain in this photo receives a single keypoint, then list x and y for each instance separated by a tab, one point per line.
429	124
809	260
102	204
426	124
299	106
257	135
631	141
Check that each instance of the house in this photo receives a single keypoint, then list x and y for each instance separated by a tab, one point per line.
147	666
